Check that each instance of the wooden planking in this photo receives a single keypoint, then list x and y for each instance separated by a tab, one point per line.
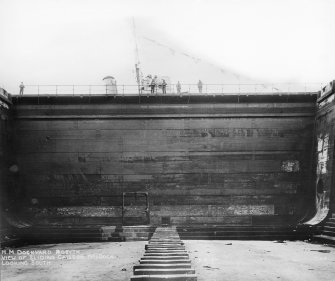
167	188
62	180
221	166
161	134
105	184
182	144
165	106
226	220
26	111
177	211
79	211
232	163
116	220
166	124
160	200
212	210
155	156
135	140
49	193
194	113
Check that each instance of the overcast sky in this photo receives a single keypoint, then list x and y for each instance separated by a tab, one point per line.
81	41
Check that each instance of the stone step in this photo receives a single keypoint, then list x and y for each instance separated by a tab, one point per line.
176	243
248	237
148	247
162	245
163	237
165	261
164	271
165	251
234	233
325	239
166	233
171	277
168	246
153	238
162	266
329	233
165	257
329	228
167	254
166	242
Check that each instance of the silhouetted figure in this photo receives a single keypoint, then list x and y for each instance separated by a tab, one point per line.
21	89
178	88
200	87
153	84
164	87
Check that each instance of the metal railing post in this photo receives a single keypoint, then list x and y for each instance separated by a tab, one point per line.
73	90
56	90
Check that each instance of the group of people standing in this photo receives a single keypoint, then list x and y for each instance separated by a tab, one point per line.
155	83
178	86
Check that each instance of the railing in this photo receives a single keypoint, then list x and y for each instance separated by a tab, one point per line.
171	89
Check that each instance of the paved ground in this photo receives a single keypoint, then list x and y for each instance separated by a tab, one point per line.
212	260
87	261
262	260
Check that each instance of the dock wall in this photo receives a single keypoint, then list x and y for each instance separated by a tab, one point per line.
228	160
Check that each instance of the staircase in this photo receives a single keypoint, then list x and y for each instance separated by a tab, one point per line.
97	233
90	233
328	232
165	258
224	232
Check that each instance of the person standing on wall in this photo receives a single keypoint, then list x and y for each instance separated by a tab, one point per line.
178	87
200	87
153	85
21	89
164	87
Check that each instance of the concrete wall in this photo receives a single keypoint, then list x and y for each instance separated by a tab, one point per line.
324	183
243	160
6	231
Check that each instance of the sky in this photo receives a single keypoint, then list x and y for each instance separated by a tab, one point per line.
51	42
